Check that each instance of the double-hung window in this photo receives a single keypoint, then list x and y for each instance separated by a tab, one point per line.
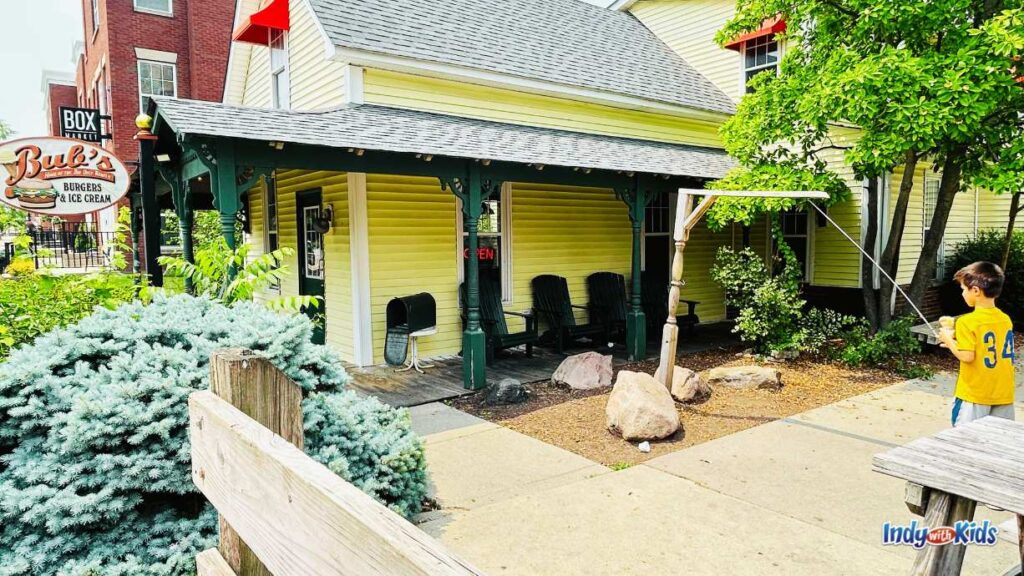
760	55
162	7
270	221
796	232
95	16
493	243
156	79
931	199
280	86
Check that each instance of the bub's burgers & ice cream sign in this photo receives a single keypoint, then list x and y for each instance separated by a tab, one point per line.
59	176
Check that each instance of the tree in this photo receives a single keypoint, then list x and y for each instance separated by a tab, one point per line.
921	80
10	219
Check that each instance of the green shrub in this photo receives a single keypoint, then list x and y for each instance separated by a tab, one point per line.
891	347
988	246
770	306
94	451
33	304
822	329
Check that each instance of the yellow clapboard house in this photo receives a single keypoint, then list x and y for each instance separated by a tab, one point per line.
410	146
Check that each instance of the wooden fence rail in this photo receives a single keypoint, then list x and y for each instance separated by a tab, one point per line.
281	512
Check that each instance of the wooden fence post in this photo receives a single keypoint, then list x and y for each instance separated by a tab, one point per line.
261	391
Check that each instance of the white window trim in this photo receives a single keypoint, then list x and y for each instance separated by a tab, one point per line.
808	253
169	13
744	69
284	72
138	73
270	187
506	237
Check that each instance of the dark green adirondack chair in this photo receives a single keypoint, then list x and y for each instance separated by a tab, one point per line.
608	303
552	304
654	295
492	319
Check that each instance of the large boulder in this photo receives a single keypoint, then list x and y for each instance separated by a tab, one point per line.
640	408
745	377
687	385
585	371
507	391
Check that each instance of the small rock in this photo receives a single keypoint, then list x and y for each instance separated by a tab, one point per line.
508	391
640	408
786	354
585	371
687	385
644	446
744	377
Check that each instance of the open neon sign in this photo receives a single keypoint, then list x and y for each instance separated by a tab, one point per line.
483	253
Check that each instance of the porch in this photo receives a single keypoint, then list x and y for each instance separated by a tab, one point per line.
361	164
444	380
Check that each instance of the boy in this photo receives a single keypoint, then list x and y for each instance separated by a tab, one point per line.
983	343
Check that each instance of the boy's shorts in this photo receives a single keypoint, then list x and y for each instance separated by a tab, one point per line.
964	412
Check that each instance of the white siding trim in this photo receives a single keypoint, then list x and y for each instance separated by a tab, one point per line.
353	75
330	50
156	55
622	5
497	80
359	243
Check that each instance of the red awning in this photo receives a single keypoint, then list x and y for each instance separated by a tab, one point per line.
257	27
771	26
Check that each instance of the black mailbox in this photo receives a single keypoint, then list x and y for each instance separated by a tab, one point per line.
405	316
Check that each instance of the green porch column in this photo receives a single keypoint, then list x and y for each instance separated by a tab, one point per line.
150	207
636	198
225	180
474	342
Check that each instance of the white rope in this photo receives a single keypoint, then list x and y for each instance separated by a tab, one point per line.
872	260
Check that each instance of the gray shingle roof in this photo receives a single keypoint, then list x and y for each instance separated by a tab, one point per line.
373	127
562	41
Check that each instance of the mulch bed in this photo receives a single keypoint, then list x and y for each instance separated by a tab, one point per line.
575	420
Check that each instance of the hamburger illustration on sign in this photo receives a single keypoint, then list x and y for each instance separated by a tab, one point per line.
59	176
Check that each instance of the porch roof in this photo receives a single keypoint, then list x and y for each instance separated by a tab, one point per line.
380	128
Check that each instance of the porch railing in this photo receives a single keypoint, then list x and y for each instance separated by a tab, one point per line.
69	245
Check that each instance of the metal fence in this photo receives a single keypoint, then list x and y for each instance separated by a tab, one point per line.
66	245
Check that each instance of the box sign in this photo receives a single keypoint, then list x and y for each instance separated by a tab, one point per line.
59	176
82	124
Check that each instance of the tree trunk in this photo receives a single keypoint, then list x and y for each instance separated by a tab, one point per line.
948	188
890	260
867	269
1014	210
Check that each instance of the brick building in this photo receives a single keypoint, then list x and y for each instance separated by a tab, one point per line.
135	48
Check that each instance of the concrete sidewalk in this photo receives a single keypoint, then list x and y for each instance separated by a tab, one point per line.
795	496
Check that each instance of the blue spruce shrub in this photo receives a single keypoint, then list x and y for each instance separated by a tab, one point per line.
94	451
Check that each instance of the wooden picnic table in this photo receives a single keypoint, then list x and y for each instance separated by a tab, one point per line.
949	473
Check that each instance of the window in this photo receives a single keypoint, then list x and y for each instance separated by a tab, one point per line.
931	198
270	222
95	17
657	238
279	69
492	240
795	231
156	79
155	6
760	55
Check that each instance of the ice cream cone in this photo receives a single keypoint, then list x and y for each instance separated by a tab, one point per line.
10	162
947	322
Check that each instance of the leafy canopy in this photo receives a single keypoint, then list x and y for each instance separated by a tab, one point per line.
932	77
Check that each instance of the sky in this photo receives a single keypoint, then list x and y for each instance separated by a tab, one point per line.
37	35
42	39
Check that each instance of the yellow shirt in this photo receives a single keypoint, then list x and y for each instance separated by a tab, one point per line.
987	332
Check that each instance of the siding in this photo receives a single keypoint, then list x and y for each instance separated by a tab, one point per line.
569	231
234	85
412	249
337	253
316	82
474	101
994	211
836	262
256	93
689	28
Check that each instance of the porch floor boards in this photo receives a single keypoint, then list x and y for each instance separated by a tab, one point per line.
444	380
